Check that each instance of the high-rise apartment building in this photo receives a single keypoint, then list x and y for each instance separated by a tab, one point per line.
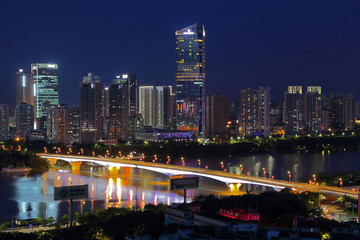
119	110
4	121
46	90
216	117
131	83
24	115
293	110
147	105
90	109
342	111
155	106
254	116
24	87
63	125
190	78
312	113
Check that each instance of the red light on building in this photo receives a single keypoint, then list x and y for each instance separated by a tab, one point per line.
241	214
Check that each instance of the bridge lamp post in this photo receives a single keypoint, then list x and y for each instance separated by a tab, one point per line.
264	171
199	162
340	181
314	176
206	167
289	173
222	166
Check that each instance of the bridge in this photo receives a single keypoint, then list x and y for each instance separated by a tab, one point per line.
230	179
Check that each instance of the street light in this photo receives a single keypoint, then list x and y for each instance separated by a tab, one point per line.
314	176
222	166
289	173
340	181
264	171
199	162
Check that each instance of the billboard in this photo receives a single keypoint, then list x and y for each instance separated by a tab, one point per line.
109	142
184	183
71	192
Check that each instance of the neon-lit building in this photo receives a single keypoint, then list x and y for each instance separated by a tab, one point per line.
190	78
46	90
241	214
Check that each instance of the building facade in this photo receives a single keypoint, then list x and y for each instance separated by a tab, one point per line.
119	111
342	111
254	116
217	117
156	106
313	110
131	84
63	125
24	115
4	121
46	90
293	110
90	110
24	87
190	78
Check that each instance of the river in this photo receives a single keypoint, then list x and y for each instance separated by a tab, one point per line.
24	196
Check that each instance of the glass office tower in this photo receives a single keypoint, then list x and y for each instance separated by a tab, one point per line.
190	78
46	89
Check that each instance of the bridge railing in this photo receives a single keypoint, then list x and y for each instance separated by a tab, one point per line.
245	177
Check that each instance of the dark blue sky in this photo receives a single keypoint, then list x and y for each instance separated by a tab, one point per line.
249	43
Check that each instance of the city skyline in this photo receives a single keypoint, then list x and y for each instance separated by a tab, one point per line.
271	47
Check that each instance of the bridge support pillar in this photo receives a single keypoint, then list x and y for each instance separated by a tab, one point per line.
234	188
52	161
75	167
113	171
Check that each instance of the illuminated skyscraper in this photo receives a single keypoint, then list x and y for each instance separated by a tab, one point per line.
131	94
190	78
254	116
313	110
24	87
46	90
155	106
293	110
90	110
118	110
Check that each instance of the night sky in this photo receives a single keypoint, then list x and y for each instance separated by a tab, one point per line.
249	43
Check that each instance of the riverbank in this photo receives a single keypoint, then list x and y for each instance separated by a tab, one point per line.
15	170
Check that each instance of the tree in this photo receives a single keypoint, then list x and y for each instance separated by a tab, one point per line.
38	221
4	226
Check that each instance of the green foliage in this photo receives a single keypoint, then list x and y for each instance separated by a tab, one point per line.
38	221
4	226
16	159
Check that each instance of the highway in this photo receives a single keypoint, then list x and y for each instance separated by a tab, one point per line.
225	177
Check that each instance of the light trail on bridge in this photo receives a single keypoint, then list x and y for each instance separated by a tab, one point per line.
222	176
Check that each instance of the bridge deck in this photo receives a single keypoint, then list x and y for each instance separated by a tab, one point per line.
222	176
